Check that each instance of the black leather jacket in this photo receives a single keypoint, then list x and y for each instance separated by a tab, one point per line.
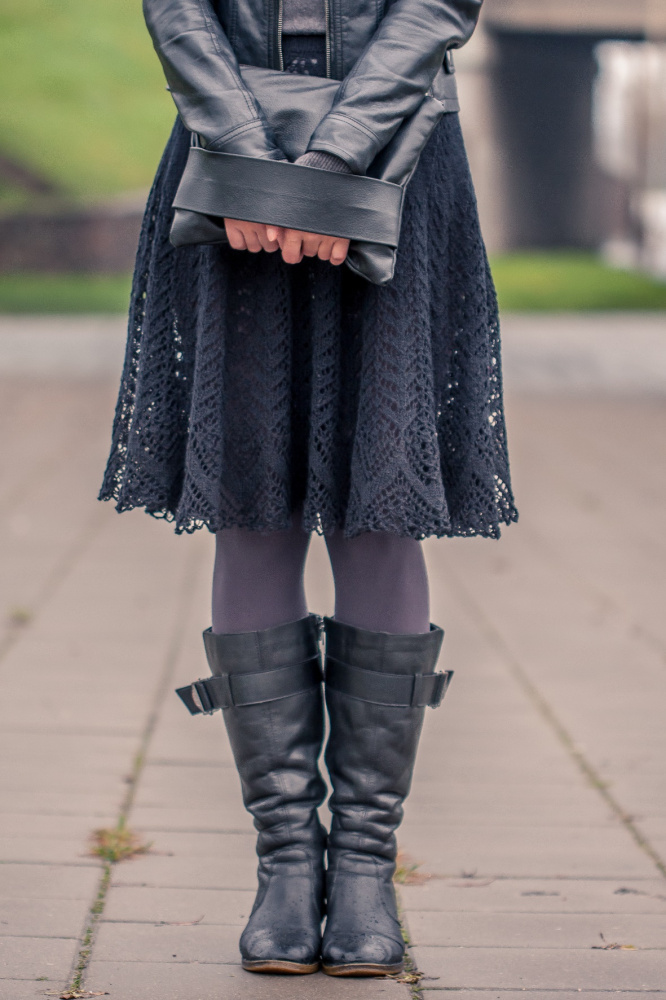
386	53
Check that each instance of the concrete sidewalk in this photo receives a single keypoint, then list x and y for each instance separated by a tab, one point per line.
572	353
538	815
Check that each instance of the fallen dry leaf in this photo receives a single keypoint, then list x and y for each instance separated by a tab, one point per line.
180	923
612	946
76	994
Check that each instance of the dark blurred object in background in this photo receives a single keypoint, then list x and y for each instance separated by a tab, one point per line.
576	101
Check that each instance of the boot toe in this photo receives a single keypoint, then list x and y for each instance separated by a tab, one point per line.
363	949
267	944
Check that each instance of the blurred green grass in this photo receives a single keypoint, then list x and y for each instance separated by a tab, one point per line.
567	281
537	282
84	103
64	293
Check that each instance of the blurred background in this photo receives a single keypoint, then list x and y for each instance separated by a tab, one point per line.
126	860
564	109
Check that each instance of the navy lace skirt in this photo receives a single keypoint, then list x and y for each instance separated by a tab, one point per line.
252	387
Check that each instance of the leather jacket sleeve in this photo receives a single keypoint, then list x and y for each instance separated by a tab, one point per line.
392	77
204	78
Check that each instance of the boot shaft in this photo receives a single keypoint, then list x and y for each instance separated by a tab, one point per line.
269	686
377	688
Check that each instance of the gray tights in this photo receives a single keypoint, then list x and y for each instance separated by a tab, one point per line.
380	579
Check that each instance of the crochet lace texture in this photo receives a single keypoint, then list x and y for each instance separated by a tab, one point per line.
251	387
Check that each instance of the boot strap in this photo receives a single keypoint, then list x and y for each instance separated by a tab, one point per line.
206	695
406	690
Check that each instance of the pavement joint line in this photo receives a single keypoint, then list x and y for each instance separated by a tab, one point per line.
158	923
61	570
151	828
411	976
539	702
96	910
538	947
50	864
42	937
201	888
190	763
501	913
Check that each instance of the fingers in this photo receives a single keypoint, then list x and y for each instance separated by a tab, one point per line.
295	245
311	244
339	252
252	236
268	243
291	245
235	234
253	242
333	249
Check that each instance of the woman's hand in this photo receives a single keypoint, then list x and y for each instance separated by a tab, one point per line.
250	236
295	245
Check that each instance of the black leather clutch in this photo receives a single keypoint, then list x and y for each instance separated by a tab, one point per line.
365	209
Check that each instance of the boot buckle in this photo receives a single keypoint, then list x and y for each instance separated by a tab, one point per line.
429	689
196	698
440	688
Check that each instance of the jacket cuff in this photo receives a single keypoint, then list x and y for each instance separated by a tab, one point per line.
323	161
352	207
344	137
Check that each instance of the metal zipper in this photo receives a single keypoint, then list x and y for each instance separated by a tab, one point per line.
327	15
279	34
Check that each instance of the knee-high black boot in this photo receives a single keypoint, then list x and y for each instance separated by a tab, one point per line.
268	685
377	687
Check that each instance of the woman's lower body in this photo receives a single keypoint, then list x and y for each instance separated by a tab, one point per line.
379	676
381	624
265	401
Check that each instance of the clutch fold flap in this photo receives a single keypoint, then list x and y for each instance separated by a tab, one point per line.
284	194
365	209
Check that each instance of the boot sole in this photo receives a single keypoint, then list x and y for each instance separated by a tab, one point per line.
363	969
278	967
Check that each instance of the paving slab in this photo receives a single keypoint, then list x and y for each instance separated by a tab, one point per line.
30	957
178	906
225	817
232	847
94	805
429	988
41	917
188	872
33	881
138	942
559	851
189	786
545	968
46	850
493	803
536	930
545	895
27	825
176	981
26	989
